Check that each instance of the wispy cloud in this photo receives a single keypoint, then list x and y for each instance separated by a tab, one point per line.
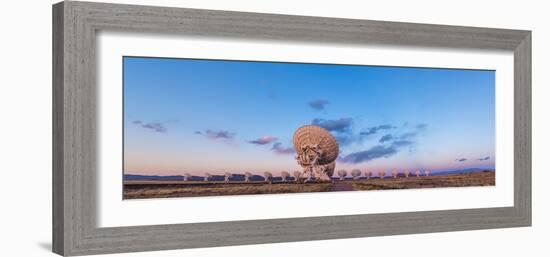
279	149
319	104
216	134
484	158
375	152
400	143
375	129
384	150
157	127
385	138
340	125
153	126
263	140
345	139
461	159
421	126
408	135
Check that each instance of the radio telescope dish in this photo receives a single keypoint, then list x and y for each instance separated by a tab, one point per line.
329	168
316	137
317	150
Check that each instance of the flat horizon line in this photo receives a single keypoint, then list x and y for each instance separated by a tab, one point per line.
260	174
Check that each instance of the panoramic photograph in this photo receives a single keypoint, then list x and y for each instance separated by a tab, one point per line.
198	127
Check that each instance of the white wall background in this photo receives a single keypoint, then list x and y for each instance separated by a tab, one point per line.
25	127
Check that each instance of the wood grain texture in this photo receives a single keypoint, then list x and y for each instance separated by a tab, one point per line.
522	129
75	24
58	216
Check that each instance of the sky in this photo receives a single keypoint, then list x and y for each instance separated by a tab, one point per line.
196	116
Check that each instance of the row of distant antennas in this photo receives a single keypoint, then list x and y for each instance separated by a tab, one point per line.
342	174
357	174
268	177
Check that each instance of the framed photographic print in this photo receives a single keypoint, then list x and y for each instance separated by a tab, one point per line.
298	128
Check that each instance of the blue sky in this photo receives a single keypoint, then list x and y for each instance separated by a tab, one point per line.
196	116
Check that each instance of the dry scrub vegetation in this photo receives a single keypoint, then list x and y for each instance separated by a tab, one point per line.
451	180
217	189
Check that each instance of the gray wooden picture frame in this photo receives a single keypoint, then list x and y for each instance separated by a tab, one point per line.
75	25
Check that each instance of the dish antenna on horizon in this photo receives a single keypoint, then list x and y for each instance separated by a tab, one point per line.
316	150
268	177
297	176
284	176
227	176
395	174
247	176
207	176
342	174
186	176
356	174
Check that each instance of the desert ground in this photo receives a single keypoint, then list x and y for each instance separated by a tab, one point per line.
144	189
